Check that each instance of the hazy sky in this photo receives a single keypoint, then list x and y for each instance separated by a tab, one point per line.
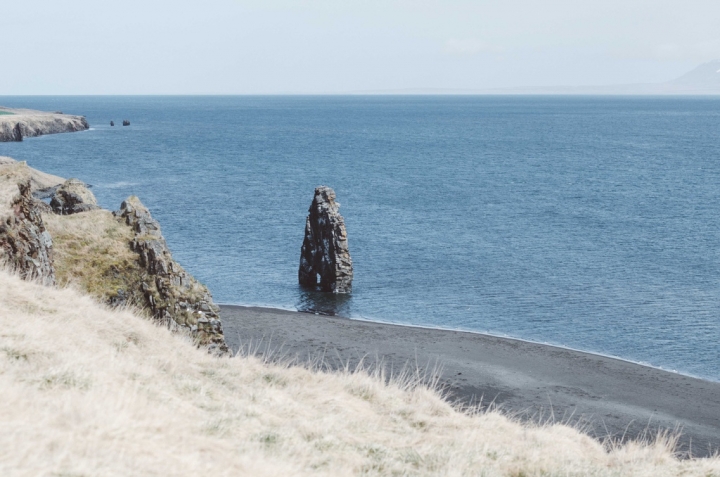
275	46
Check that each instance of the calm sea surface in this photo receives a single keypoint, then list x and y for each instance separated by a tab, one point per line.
592	223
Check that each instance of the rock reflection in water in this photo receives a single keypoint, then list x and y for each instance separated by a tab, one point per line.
331	304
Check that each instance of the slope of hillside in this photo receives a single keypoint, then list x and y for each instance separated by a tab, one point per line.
91	391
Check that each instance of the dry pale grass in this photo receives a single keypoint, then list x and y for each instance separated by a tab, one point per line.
90	391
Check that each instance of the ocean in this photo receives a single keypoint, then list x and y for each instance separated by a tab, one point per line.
586	222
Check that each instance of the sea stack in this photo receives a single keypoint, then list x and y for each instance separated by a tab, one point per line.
325	262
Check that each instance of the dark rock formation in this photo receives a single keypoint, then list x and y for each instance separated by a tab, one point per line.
16	135
174	297
73	197
325	260
112	123
24	243
24	123
126	122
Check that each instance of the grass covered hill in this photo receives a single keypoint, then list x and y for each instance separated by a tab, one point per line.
87	390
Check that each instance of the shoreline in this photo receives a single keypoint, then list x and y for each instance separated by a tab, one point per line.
608	396
481	333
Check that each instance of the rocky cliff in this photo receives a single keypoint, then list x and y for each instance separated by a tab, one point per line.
16	124
173	295
325	261
121	259
25	245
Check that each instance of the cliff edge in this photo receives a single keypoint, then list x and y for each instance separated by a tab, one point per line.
16	124
120	259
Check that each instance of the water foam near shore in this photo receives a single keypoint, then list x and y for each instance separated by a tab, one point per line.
591	223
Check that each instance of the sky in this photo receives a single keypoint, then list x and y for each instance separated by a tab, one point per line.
346	46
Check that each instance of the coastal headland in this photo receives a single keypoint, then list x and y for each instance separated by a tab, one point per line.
16	124
606	397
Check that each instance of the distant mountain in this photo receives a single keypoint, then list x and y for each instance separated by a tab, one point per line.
703	80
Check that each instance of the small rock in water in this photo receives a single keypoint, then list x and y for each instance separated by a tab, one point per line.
112	123
126	122
325	261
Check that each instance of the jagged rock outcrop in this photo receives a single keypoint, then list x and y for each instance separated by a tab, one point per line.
325	261
126	122
120	258
73	197
174	297
25	244
22	123
16	135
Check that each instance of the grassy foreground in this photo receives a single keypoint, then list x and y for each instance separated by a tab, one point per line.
88	391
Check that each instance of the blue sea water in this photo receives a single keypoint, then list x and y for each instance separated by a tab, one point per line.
587	222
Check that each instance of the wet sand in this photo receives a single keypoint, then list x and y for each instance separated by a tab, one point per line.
607	396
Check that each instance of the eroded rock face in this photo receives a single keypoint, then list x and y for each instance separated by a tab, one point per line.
173	295
25	123
16	135
325	261
73	197
25	243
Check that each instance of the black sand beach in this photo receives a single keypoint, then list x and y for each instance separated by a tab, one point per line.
609	397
